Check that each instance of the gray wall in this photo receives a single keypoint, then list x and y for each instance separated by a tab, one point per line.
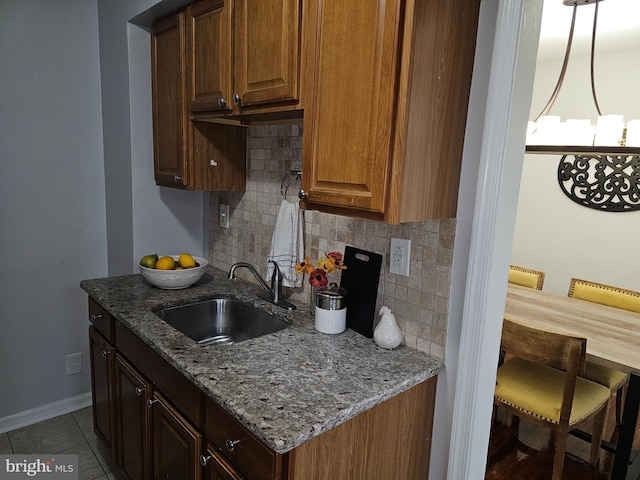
52	200
78	200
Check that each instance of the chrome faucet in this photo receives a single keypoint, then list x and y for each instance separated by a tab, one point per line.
274	293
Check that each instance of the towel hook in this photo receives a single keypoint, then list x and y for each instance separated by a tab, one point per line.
297	175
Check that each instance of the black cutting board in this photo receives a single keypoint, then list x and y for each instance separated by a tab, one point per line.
361	279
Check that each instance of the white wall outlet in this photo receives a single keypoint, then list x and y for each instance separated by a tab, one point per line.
400	256
224	215
74	363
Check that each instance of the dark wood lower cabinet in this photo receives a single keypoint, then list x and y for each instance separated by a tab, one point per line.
133	392
102	355
216	467
176	444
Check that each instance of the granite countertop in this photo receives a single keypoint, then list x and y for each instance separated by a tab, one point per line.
286	387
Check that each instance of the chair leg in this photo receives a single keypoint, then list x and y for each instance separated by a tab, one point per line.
619	405
558	459
596	435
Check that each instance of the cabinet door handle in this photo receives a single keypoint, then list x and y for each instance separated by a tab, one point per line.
236	98
231	444
139	391
204	460
177	179
151	401
96	316
105	353
221	102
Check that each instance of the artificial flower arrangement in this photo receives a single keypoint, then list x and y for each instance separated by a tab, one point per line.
318	275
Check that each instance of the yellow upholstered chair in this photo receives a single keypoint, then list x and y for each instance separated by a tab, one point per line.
540	382
616	297
526	277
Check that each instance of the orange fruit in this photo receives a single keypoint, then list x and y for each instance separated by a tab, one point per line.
165	263
186	261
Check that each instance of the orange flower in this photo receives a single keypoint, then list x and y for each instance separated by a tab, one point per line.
304	267
318	276
336	259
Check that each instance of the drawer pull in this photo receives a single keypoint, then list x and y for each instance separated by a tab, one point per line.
231	444
96	316
204	460
139	391
151	401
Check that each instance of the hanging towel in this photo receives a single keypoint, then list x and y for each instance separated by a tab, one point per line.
287	244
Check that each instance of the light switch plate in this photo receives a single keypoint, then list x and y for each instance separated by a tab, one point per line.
400	256
224	215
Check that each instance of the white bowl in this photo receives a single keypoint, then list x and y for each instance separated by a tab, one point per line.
175	279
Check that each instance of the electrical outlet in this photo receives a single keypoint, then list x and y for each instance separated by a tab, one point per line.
400	256
224	215
74	363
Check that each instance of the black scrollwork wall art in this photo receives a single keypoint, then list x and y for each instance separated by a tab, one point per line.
603	182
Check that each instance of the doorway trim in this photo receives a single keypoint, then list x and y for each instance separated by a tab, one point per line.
498	182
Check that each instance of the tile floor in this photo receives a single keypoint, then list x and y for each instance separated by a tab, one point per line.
67	434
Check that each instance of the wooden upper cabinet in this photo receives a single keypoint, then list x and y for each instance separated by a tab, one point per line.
194	156
210	50
243	55
266	51
169	107
386	113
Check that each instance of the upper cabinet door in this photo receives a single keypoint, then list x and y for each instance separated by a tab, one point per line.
209	54
169	108
352	103
267	51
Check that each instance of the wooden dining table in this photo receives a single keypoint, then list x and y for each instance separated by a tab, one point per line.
613	339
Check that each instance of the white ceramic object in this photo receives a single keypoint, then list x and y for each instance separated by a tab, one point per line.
175	279
331	321
387	333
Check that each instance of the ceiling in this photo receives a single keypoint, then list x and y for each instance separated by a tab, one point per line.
618	27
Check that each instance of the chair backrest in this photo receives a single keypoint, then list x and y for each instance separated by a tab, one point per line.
554	349
605	294
557	350
526	277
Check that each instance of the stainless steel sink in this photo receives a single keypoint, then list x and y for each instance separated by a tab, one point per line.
220	321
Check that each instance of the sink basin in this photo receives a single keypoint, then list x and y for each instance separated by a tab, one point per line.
220	321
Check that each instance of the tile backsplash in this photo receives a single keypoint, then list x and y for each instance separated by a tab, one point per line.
419	301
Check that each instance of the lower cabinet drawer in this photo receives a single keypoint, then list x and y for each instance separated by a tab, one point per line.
244	451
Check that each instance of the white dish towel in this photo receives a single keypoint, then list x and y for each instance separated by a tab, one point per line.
287	246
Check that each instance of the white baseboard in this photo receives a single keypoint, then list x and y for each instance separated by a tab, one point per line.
45	412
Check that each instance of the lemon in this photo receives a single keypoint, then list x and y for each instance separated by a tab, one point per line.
165	263
149	261
186	261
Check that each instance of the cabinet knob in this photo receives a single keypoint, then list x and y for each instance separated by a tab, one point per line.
139	391
177	179
302	194
204	459
104	353
231	444
151	401
221	102
236	98
96	316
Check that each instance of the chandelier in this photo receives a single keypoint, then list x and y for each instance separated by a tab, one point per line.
600	164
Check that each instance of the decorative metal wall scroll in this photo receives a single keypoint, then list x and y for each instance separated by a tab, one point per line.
603	182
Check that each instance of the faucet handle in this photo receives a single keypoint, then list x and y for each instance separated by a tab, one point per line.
276	282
